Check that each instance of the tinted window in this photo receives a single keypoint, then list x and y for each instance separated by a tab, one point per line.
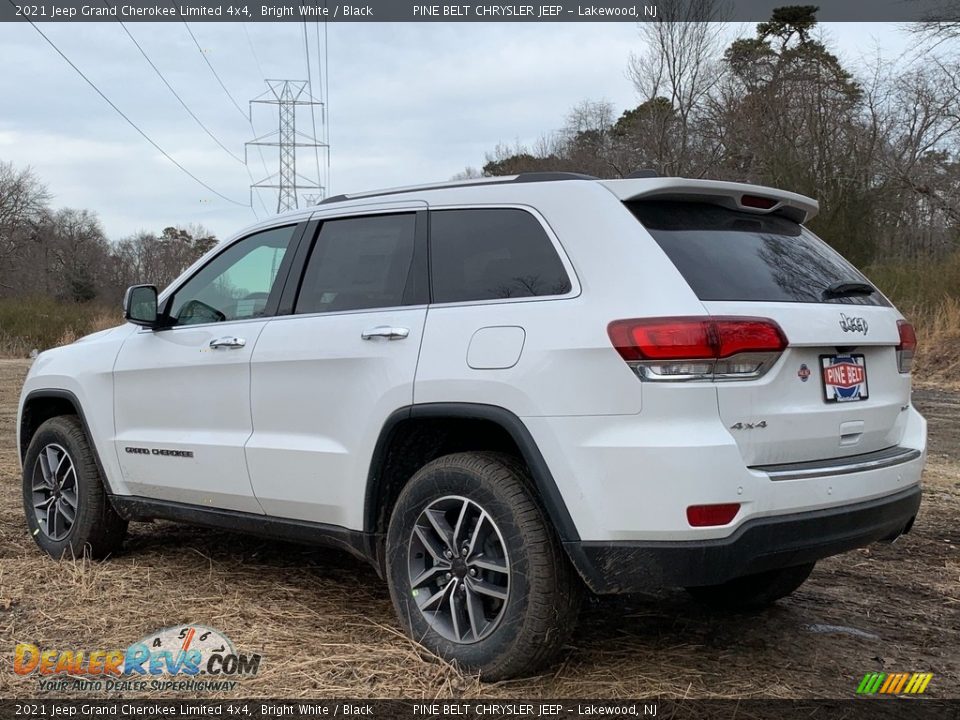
729	255
358	263
236	284
492	253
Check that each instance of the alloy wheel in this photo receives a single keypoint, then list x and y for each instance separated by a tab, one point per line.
459	569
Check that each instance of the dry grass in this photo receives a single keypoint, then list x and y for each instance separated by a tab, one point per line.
324	623
40	323
938	336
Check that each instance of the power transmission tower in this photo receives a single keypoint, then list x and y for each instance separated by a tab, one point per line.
287	95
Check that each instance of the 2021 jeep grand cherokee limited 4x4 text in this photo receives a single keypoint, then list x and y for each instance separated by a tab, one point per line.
500	392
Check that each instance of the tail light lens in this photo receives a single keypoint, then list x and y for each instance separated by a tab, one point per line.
907	347
698	348
712	515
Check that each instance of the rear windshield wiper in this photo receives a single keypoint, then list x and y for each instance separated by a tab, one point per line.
846	288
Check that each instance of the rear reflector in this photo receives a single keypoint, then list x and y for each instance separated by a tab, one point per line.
701	348
711	515
907	347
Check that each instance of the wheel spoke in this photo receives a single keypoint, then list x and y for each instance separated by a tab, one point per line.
437	598
430	543
476	533
52	521
474	612
455	612
485	588
428	576
69	478
440	525
66	512
45	472
69	497
44	503
481	562
458	528
53	464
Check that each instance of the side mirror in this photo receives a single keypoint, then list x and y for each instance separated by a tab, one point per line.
140	305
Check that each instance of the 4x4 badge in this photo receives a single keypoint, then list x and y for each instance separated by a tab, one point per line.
748	426
853	324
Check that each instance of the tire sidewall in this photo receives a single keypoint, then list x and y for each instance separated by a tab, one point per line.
428	485
87	475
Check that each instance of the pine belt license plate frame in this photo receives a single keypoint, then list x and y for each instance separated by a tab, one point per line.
845	390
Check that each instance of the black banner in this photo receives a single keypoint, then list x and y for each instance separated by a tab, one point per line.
453	709
435	11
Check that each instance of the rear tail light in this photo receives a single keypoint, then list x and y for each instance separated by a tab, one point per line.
907	347
698	348
712	515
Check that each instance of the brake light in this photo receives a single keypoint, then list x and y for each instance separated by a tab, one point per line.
711	515
757	201
698	348
907	347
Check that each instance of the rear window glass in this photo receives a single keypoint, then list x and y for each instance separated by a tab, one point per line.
492	254
724	254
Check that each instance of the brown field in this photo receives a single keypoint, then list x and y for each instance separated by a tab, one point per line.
324	623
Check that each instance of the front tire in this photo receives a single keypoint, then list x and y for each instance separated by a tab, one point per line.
64	499
752	592
475	572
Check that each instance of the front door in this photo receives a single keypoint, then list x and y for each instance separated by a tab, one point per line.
182	393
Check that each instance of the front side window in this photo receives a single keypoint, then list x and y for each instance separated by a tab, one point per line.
492	254
359	263
236	284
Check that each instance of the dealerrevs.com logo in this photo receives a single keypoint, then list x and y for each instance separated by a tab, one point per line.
192	658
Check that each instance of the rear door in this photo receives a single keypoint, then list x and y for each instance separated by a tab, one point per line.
836	390
325	378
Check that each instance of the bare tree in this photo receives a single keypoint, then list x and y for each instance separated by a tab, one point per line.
681	63
23	203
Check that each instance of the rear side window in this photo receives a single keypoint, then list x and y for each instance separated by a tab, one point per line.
492	254
358	263
725	254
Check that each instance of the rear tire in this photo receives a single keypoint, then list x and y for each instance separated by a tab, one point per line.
752	592
66	505
468	543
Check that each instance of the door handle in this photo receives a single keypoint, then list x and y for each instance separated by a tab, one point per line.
228	342
386	332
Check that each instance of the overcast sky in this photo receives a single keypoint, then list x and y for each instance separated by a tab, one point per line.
408	103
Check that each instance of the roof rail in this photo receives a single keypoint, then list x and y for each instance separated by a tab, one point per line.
526	177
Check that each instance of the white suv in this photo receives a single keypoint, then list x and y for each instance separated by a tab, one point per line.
500	392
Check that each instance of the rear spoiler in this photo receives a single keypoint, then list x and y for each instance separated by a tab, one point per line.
736	196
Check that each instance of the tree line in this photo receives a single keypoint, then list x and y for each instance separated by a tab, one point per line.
63	253
878	146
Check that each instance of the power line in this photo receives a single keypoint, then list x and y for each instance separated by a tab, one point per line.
125	117
245	116
313	115
210	65
175	94
252	51
324	90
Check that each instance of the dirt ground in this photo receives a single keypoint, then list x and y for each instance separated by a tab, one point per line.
324	624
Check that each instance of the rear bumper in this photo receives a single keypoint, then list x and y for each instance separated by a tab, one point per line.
759	544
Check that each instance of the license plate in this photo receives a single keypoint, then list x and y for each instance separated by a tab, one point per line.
844	378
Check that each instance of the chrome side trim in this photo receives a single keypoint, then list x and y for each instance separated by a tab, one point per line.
840	466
